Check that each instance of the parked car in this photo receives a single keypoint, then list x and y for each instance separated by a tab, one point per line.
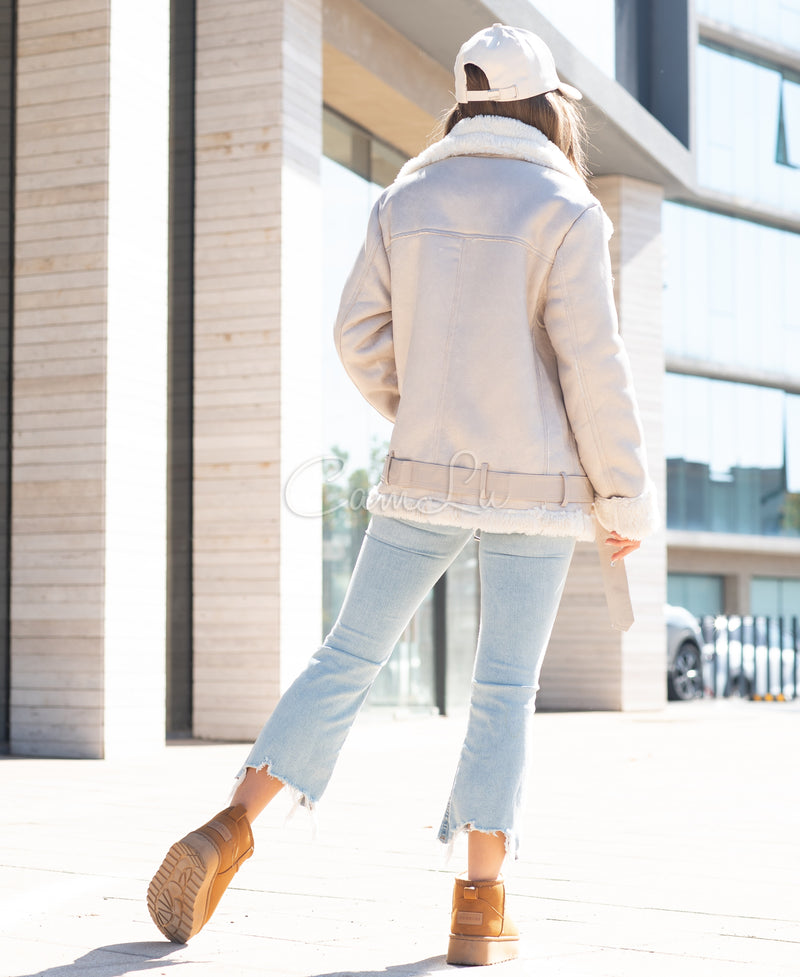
684	654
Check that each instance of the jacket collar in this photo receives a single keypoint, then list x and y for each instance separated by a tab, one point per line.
492	135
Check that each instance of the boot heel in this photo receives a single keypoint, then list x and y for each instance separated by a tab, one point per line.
479	952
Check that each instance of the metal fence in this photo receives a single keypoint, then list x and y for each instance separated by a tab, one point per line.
754	657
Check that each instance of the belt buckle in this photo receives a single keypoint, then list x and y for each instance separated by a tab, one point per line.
564	493
387	464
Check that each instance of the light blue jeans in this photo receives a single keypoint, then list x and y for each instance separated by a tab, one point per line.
522	578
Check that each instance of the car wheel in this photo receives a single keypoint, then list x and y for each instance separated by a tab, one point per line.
686	679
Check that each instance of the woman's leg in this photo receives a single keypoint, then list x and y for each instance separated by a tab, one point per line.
255	791
398	564
522	579
485	855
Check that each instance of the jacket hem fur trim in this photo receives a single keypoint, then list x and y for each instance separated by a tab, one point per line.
574	521
633	518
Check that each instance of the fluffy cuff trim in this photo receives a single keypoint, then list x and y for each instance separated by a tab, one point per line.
632	518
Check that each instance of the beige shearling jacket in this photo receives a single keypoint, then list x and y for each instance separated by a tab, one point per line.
480	319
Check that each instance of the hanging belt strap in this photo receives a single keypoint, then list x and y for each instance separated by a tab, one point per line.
615	583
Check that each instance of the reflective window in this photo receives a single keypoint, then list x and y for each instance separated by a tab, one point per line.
354	169
745	122
730	290
789	125
349	423
700	593
793	439
775	597
731	459
588	24
359	152
774	20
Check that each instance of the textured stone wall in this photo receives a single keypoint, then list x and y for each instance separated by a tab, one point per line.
257	404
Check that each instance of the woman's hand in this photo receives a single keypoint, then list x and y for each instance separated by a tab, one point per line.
627	546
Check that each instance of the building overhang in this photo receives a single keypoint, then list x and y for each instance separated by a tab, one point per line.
625	138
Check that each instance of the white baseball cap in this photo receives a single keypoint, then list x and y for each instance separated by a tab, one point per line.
517	63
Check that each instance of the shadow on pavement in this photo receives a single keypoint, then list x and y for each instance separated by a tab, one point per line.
417	968
114	960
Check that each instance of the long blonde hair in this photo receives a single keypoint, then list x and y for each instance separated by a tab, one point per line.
556	115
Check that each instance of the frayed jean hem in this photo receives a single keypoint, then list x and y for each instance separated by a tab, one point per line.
448	835
300	798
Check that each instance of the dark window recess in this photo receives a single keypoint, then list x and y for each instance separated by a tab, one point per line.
7	99
652	61
788	148
180	369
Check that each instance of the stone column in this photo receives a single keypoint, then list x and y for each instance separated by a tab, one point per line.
257	402
89	378
589	665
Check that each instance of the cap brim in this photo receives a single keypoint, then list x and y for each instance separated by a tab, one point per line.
569	91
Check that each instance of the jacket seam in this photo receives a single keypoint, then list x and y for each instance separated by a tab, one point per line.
437	434
511	239
580	216
540	320
542	412
579	366
346	310
344	315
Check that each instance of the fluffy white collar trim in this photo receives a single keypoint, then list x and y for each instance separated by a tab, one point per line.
492	135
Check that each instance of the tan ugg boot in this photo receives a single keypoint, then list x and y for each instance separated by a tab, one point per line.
480	931
187	887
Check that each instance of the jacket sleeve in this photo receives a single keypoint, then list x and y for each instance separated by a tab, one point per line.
594	372
363	331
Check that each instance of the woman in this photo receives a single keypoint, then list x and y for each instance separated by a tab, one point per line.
479	318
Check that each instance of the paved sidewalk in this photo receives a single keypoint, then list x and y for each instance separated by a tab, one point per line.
656	844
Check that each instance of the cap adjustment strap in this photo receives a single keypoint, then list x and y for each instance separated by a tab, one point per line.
494	95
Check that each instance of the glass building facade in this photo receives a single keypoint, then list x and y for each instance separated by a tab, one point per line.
748	127
731	315
730	290
733	457
775	596
774	20
700	593
733	449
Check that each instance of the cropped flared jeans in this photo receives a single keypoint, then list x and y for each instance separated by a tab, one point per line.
522	579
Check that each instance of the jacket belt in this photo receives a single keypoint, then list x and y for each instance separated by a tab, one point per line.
615	583
484	486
